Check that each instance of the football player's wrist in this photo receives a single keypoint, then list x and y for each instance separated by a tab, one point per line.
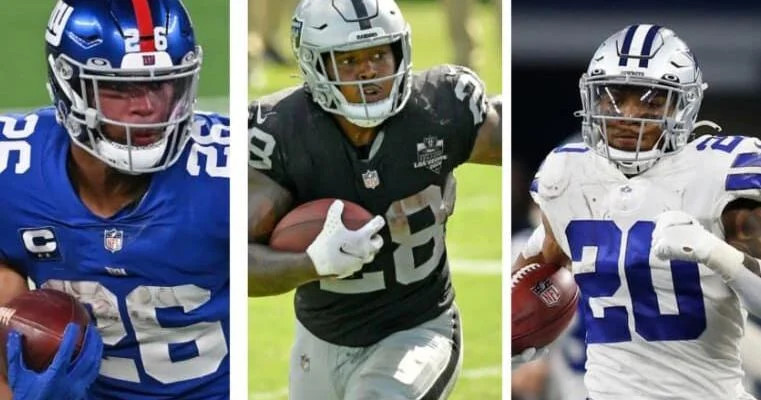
316	261
723	259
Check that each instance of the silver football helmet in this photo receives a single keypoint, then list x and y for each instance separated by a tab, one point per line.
320	28
651	64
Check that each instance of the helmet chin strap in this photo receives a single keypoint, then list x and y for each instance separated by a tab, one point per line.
632	163
357	113
118	155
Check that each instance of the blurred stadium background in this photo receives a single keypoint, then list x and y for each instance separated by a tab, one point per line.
473	233
552	42
24	75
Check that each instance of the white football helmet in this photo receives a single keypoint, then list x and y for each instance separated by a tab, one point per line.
652	62
322	27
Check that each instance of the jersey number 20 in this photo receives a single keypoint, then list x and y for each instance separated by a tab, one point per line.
601	243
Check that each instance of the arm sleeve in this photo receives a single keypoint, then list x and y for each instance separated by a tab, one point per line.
747	285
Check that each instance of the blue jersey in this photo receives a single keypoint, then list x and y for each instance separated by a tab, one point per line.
155	275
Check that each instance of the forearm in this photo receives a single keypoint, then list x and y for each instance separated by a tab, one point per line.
747	285
271	272
541	247
5	390
487	148
740	271
737	259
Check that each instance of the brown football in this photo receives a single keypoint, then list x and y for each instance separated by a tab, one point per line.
298	229
41	316
544	300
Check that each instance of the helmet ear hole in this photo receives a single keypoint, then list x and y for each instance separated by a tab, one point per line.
398	52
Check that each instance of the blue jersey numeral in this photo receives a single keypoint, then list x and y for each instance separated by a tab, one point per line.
722	143
690	321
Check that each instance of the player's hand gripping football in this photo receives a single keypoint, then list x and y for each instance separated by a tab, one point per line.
64	379
341	252
528	355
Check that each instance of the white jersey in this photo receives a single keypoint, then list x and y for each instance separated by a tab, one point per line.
655	329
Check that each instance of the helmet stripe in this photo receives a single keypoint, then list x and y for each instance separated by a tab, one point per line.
648	45
144	25
362	15
627	45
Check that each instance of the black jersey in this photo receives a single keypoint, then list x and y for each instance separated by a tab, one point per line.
405	176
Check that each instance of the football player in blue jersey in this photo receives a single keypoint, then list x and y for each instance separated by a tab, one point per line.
120	198
375	306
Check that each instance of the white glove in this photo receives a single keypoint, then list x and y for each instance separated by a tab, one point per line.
341	252
679	236
528	355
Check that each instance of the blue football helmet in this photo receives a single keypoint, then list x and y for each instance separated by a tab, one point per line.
141	52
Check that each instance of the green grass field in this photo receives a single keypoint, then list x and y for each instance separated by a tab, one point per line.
23	68
473	234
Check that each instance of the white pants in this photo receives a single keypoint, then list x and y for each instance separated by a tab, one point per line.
419	363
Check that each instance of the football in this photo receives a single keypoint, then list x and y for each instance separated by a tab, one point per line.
41	316
298	229
544	300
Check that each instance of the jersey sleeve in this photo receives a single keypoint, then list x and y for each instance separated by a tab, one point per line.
266	150
743	175
737	159
467	105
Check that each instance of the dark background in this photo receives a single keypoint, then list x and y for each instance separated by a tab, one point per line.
553	40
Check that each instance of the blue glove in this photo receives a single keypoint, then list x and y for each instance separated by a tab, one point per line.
64	379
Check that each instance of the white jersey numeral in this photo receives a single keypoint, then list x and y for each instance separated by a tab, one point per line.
17	145
429	200
217	134
153	339
260	154
211	167
468	84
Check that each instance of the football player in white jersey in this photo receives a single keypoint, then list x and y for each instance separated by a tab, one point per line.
660	227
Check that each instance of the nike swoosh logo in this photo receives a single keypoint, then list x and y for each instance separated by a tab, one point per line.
261	118
344	251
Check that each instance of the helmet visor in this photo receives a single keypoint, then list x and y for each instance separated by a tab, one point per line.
144	108
633	102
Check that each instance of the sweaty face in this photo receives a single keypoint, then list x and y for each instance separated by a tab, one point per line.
363	64
634	105
136	103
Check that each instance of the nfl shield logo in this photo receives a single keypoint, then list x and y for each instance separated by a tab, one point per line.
112	240
547	292
371	179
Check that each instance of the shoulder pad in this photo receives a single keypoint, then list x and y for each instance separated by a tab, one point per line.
21	126
263	111
458	90
211	128
553	176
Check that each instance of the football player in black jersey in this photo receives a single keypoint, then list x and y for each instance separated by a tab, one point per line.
375	311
